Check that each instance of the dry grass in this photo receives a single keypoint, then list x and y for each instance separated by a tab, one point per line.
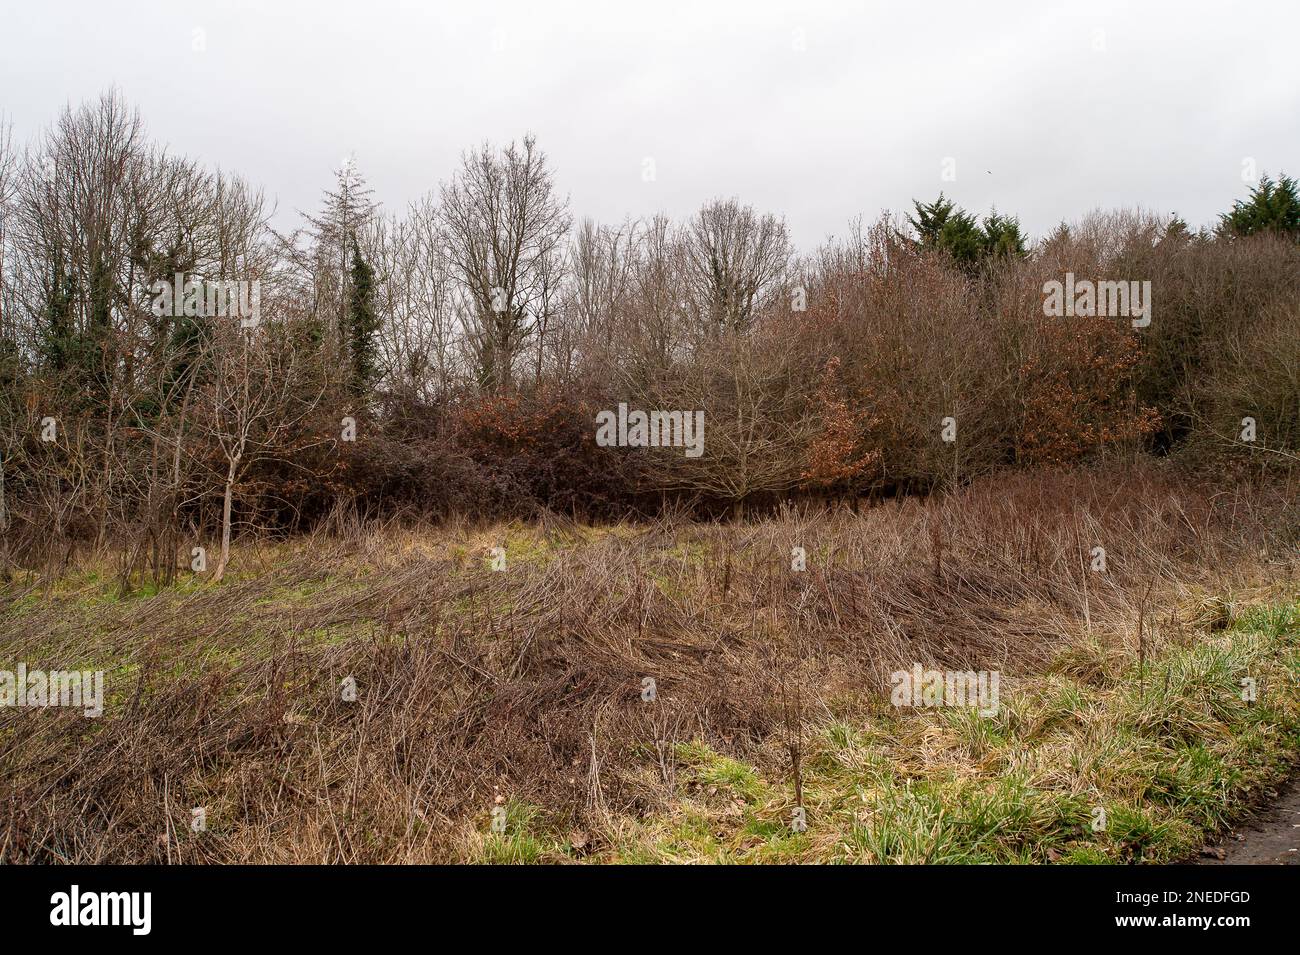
521	688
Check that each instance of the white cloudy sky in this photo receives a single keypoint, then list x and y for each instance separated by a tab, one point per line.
1048	108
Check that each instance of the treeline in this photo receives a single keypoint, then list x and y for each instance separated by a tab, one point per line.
452	357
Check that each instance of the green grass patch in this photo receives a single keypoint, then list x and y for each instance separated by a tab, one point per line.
1141	766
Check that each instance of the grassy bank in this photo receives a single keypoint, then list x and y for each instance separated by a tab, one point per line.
1091	762
518	694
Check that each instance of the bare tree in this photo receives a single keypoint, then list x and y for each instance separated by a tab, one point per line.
8	189
658	326
736	263
502	224
416	299
96	211
757	417
601	261
251	406
8	341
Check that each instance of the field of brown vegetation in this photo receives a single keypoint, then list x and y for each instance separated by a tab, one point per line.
522	687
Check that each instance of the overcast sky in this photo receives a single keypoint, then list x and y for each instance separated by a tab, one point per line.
816	111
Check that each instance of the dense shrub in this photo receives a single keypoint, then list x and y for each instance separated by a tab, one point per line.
542	446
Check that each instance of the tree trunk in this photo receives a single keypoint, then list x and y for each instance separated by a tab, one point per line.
225	524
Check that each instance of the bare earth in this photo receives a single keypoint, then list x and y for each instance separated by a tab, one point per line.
1271	837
